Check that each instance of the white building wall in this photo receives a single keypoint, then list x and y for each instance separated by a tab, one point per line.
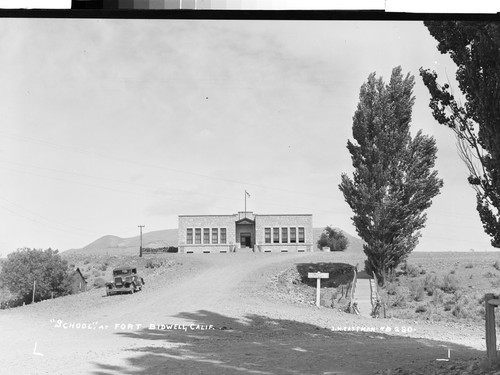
210	222
283	221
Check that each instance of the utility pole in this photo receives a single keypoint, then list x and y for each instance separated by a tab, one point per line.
34	284
140	249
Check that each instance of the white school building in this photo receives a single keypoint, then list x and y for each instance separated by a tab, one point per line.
245	231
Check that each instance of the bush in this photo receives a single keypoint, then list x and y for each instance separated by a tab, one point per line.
431	284
99	282
495	282
417	290
391	289
497	265
438	297
153	263
333	238
399	301
103	267
450	284
46	267
411	270
421	309
463	309
469	265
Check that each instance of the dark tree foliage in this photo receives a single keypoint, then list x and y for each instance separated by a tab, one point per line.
475	49
24	266
333	238
393	181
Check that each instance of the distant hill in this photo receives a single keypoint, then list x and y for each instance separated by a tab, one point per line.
113	245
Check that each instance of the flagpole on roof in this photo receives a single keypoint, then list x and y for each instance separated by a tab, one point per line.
246	193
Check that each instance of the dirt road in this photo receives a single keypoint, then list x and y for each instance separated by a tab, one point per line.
214	315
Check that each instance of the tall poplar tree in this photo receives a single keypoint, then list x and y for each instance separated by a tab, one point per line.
393	182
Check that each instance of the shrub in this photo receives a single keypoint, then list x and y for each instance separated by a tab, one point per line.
469	265
462	308
332	238
417	290
399	301
431	284
96	273
99	282
86	261
497	265
450	284
411	270
153	263
452	272
103	267
391	289
421	309
495	282
438	297
489	274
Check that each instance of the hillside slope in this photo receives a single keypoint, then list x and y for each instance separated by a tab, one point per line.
113	245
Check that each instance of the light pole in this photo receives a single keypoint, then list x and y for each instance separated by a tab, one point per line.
140	249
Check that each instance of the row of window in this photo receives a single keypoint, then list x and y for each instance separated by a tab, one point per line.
218	236
288	235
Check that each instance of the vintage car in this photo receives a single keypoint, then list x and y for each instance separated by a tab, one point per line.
125	280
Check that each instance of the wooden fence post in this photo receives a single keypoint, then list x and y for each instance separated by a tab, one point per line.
491	336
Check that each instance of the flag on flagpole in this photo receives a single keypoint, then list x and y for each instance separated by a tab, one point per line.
248	195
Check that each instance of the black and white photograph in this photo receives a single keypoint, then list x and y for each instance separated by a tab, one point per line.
249	196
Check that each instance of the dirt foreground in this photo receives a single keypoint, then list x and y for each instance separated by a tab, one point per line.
214	314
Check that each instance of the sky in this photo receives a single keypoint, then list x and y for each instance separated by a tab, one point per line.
111	124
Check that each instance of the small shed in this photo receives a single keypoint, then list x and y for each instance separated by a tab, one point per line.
78	282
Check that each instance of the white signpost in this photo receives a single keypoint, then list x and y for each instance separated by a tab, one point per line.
318	276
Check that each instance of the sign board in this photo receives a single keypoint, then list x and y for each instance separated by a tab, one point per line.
318	275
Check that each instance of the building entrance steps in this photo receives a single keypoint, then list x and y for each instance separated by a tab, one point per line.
244	250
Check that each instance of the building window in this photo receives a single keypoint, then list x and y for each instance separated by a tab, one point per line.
222	235
189	236
197	235
206	235
284	235
215	235
301	235
293	235
267	235
276	235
